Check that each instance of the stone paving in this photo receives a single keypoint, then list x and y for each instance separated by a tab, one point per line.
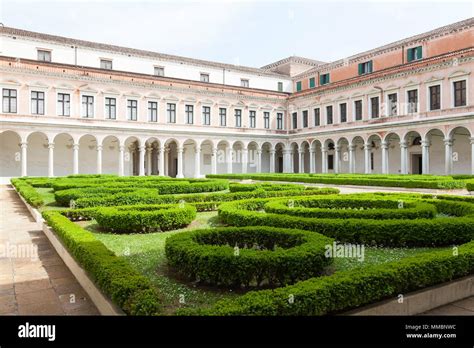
461	307
33	278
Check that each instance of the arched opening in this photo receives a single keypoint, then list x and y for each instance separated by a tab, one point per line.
206	157
152	156
279	158
223	157
110	155
132	156
266	158
87	154
252	157
295	168
436	152
63	154
189	158
358	148
393	150
330	156
171	158
462	151
414	159
343	144
305	163
10	154
237	149
37	154
375	155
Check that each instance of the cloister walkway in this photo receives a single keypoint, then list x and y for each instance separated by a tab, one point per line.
33	278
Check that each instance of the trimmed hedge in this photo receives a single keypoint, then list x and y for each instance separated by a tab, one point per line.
238	187
28	192
345	290
248	256
131	291
404	232
144	218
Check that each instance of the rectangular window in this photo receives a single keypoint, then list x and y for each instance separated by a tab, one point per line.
206	115
44	55
171	112
329	119
238	118
298	86
106	64
374	107
266	120
9	100
412	101
358	110
132	109
159	71
324	79
312	82
392	104
295	120
435	97
64	104
87	106
365	68
279	120
37	103
244	83
223	116
152	111
414	53
253	118
305	119
204	77
189	113
110	108
280	86
317	117
459	93
343	112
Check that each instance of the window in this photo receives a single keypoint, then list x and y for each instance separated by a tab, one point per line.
189	113
298	86
343	112
392	104
295	120
414	53
374	107
87	106
171	112
132	106
44	55
106	64
244	83
253	118
64	104
279	120
206	115
152	111
435	97
37	103
317	117
305	119
223	116
459	93
324	79
266	120
9	100
329	119
312	82
110	108
238	118
280	86
204	77
159	71
412	101
358	110
365	68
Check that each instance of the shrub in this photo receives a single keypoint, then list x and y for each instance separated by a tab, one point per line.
126	287
249	256
28	192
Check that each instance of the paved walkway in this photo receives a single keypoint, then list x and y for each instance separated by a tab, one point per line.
33	278
462	307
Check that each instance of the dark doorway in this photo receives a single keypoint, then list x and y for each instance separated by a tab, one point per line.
416	164
330	162
280	165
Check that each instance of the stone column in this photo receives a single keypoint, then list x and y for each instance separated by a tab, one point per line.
214	161
404	157
180	162
161	161
367	149
384	146
448	156
286	161
337	155
121	159
425	157
99	159
272	160
75	156
259	161
24	162
167	162
141	160
51	160
149	151
197	162
301	161
351	159
228	159
324	159
245	154
312	161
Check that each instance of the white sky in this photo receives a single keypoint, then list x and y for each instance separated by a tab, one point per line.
252	33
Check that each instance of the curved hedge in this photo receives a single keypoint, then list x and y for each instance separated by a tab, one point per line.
238	187
390	232
28	192
144	218
248	256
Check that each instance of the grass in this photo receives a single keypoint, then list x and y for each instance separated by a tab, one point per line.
48	197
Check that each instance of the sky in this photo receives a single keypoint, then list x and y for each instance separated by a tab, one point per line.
249	33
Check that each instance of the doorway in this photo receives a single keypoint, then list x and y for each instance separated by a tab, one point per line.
416	163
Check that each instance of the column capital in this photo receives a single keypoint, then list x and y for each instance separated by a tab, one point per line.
149	147
50	145
214	150
448	141
337	148
122	148
100	147
273	151
403	144
24	145
180	149
75	146
141	148
324	149
352	147
161	149
301	151
197	150
425	143
384	145
367	146
311	150
472	140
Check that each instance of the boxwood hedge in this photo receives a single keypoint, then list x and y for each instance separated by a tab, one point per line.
28	192
248	256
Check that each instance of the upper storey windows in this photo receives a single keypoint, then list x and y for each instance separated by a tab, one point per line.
365	67
312	82
204	77
244	83
324	79
414	53
298	86
159	71
44	55
106	64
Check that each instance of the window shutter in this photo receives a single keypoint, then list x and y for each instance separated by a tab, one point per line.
370	67
360	68
410	54
321	80
419	52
